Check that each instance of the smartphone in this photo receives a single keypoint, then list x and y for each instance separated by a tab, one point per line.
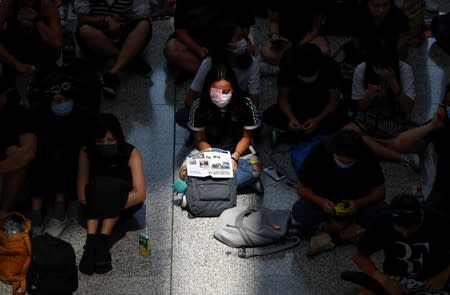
274	173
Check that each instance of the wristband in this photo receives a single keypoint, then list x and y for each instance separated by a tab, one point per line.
36	19
234	159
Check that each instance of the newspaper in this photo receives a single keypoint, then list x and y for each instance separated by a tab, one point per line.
212	162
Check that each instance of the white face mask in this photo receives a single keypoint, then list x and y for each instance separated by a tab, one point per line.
238	48
308	80
219	98
344	165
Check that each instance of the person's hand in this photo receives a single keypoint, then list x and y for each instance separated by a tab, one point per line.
310	125
295	125
351	207
435	283
327	206
202	52
386	74
182	172
439	116
25	69
372	90
393	287
27	13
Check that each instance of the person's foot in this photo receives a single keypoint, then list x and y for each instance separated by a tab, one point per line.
87	261
102	255
413	161
56	227
110	84
183	202
319	243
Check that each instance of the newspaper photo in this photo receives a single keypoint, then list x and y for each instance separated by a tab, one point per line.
212	162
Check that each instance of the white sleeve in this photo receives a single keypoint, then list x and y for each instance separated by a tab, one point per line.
358	89
254	79
200	76
407	80
141	8
81	7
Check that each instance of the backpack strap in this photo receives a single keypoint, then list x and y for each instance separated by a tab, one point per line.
288	243
20	287
242	231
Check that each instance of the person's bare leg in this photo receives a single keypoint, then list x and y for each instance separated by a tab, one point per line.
179	55
97	42
92	225
12	182
351	233
108	225
133	44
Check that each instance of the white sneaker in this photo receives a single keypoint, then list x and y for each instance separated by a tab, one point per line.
413	160
56	227
432	5
183	202
319	243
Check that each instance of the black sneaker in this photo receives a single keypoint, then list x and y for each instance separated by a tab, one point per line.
110	84
102	255
87	262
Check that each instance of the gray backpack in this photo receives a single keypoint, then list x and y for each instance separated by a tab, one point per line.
209	197
247	228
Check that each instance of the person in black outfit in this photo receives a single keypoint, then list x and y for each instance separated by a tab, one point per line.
17	145
61	128
416	254
308	99
341	170
110	184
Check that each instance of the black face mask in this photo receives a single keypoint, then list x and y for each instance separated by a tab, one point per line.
107	151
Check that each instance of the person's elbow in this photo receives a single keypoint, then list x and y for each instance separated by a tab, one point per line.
141	195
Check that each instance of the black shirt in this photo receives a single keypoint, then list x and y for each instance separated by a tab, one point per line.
320	173
308	100
420	257
441	139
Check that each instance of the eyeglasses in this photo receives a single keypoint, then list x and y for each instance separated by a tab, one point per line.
64	86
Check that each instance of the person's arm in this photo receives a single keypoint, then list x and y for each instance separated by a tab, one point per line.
364	97
139	192
308	194
375	195
283	103
184	37
242	146
19	156
51	33
200	139
366	265
83	175
404	102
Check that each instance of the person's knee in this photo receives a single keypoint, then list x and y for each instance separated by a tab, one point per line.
172	49
143	27
87	31
352	126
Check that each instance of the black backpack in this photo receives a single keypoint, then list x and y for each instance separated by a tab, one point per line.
53	270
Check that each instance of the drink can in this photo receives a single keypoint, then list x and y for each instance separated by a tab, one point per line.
145	245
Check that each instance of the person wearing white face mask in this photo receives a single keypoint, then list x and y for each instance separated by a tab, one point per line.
223	118
341	190
61	128
308	99
231	48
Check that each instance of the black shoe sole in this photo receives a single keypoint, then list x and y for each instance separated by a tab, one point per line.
103	267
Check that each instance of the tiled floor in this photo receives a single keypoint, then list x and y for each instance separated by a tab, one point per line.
185	258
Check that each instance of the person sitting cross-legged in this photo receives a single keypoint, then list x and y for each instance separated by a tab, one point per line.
119	30
341	190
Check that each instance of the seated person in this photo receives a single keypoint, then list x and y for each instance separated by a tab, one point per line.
17	145
292	23
384	92
30	36
61	128
223	118
340	171
416	254
378	19
231	48
309	87
194	24
110	184
119	31
436	131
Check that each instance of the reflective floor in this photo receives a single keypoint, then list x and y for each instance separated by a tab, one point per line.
185	257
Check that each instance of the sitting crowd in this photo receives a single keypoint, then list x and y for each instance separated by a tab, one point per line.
68	149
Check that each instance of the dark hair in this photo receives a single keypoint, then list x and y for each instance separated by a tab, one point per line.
220	72
108	122
349	143
383	54
307	59
406	211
